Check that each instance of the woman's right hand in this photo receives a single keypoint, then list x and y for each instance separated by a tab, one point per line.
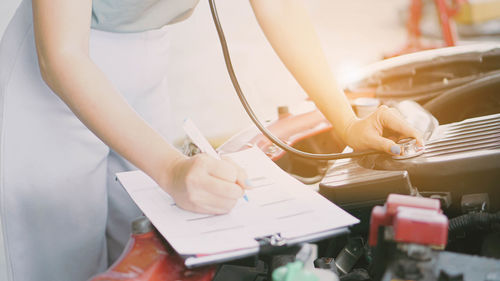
204	184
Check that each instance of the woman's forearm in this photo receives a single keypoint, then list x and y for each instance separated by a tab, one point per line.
90	95
62	30
200	183
288	28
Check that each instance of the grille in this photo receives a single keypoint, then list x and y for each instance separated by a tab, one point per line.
469	135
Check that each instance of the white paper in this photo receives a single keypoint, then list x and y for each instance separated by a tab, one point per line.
277	204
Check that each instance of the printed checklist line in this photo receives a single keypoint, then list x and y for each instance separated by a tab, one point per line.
276	202
295	215
223	229
259	182
203	218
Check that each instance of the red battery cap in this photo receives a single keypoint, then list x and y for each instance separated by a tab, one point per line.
385	216
378	218
396	200
420	226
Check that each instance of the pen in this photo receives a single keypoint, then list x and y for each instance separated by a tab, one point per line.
201	142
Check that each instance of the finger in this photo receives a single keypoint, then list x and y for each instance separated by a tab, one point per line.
224	170
243	179
386	145
241	176
210	210
209	202
390	118
197	207
395	139
221	188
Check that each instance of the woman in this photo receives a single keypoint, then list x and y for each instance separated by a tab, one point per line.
82	97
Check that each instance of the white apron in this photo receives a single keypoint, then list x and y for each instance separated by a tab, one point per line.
62	214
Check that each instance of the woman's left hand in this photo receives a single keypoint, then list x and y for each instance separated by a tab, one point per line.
379	131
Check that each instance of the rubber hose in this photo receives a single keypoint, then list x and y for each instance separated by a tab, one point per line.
473	220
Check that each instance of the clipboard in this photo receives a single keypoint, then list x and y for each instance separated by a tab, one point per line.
280	212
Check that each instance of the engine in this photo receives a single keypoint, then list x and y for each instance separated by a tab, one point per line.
426	215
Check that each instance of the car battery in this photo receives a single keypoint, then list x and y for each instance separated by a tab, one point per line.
408	235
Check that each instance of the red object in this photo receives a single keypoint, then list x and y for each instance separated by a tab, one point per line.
147	258
420	226
395	201
289	128
414	220
447	27
445	13
379	218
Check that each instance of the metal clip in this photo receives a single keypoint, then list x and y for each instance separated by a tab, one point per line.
269	242
277	241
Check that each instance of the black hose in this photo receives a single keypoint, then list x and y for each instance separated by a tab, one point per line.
251	114
472	221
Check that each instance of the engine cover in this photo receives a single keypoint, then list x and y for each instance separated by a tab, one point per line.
460	158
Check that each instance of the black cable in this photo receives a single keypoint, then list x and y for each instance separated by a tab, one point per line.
251	114
472	221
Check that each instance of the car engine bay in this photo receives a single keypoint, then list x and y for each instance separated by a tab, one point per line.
428	215
455	101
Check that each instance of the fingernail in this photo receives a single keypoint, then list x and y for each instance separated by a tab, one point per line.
245	197
249	183
395	149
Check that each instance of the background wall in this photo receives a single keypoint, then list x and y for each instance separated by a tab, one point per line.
353	33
